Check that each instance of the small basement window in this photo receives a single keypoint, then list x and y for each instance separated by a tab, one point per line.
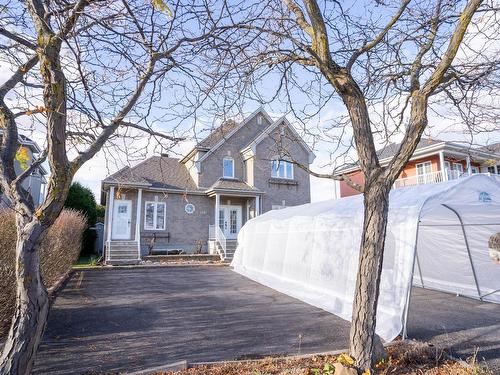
154	216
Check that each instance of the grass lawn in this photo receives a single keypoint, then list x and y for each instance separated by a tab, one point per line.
87	261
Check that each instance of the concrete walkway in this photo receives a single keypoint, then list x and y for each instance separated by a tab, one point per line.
129	319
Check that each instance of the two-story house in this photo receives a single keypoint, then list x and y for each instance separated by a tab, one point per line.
199	203
35	183
433	161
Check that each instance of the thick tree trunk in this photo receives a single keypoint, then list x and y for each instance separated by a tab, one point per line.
362	335
32	303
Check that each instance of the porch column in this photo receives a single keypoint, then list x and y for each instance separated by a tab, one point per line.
497	170
257	205
469	168
443	168
138	223
217	208
109	226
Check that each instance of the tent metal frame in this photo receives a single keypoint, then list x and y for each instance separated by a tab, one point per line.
468	249
417	263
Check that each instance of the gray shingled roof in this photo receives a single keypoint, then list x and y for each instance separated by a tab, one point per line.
217	134
233	184
392	148
494	148
157	171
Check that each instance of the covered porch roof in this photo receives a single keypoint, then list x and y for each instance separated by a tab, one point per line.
232	186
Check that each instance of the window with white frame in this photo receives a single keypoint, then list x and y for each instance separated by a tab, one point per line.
474	169
491	169
458	167
228	167
424	171
424	168
282	169
154	216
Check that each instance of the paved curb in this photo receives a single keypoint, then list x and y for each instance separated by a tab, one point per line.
176	366
59	284
103	268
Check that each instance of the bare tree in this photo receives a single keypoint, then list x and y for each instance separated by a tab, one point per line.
390	63
86	74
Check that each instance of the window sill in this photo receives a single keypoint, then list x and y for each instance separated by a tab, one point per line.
283	181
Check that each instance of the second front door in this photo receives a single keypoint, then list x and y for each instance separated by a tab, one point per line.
230	220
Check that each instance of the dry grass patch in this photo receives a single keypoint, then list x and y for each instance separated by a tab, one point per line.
404	359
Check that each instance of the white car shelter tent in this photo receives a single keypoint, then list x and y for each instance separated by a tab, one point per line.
437	237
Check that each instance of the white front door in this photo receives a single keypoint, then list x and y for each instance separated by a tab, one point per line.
122	215
230	221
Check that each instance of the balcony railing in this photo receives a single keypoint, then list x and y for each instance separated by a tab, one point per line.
430	178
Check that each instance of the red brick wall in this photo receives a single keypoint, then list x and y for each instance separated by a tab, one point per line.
346	190
410	170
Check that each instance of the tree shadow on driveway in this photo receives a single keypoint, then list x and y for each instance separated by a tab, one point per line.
130	319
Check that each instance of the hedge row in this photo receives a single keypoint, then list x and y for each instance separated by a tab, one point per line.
59	250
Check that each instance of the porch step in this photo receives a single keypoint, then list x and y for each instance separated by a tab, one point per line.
122	252
122	262
231	246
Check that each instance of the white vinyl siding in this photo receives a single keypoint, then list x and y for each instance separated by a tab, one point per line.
154	216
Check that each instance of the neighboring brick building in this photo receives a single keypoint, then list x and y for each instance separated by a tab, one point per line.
433	161
238	172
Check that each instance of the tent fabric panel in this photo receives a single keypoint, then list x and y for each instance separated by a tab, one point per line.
319	261
444	262
311	252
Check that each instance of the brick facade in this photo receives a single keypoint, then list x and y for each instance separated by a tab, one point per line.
189	231
410	170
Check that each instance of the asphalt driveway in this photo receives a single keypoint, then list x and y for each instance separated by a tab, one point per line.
129	319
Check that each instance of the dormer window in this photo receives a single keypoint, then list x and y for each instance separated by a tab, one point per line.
259	120
228	167
282	169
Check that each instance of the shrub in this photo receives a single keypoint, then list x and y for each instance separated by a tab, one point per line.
82	199
59	249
